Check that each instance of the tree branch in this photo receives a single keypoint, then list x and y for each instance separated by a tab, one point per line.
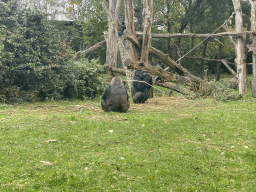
169	35
94	47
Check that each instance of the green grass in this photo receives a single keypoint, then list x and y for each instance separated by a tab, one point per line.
166	144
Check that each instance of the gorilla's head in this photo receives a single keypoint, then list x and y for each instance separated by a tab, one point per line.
116	82
139	73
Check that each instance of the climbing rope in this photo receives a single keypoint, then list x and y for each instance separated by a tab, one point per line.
225	22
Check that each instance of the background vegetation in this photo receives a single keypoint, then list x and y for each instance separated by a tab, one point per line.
167	144
36	49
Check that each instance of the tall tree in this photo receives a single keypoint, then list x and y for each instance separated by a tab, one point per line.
111	36
239	48
253	46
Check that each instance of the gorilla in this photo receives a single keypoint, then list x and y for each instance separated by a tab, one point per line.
140	90
115	97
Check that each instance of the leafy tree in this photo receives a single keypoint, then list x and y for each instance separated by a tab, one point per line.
36	61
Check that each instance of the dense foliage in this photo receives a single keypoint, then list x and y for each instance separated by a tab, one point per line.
36	61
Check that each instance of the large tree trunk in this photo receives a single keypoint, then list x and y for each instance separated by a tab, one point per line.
253	46
239	49
146	41
111	36
129	22
130	29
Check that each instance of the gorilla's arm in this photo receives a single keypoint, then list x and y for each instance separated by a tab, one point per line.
106	93
149	80
138	85
104	104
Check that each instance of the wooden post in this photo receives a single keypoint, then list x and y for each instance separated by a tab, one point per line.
146	41
111	36
129	22
130	29
217	75
239	49
253	46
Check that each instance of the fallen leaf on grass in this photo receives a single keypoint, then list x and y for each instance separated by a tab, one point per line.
46	162
153	130
50	141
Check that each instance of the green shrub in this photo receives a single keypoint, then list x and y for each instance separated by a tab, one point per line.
36	62
76	80
217	90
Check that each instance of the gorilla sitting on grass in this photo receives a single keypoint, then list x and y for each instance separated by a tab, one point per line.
140	90
115	97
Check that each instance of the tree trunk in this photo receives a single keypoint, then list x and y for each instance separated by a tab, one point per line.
129	22
217	75
111	36
168	27
253	46
239	49
146	41
130	29
202	71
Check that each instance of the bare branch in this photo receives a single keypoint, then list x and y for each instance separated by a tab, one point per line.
169	35
92	48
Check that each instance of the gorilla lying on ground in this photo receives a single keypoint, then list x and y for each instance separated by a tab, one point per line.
140	90
115	97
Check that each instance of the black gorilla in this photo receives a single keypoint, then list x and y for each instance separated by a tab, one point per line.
115	97
140	90
123	27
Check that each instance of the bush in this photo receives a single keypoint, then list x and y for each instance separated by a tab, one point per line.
77	80
36	62
217	90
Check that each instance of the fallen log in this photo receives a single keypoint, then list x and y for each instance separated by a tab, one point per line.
229	68
175	87
183	74
92	48
162	84
169	35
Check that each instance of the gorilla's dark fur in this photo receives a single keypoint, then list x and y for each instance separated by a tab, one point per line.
140	91
115	97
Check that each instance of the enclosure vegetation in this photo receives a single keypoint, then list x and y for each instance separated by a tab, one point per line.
37	52
55	135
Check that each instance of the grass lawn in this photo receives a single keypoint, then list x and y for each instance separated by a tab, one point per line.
166	144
